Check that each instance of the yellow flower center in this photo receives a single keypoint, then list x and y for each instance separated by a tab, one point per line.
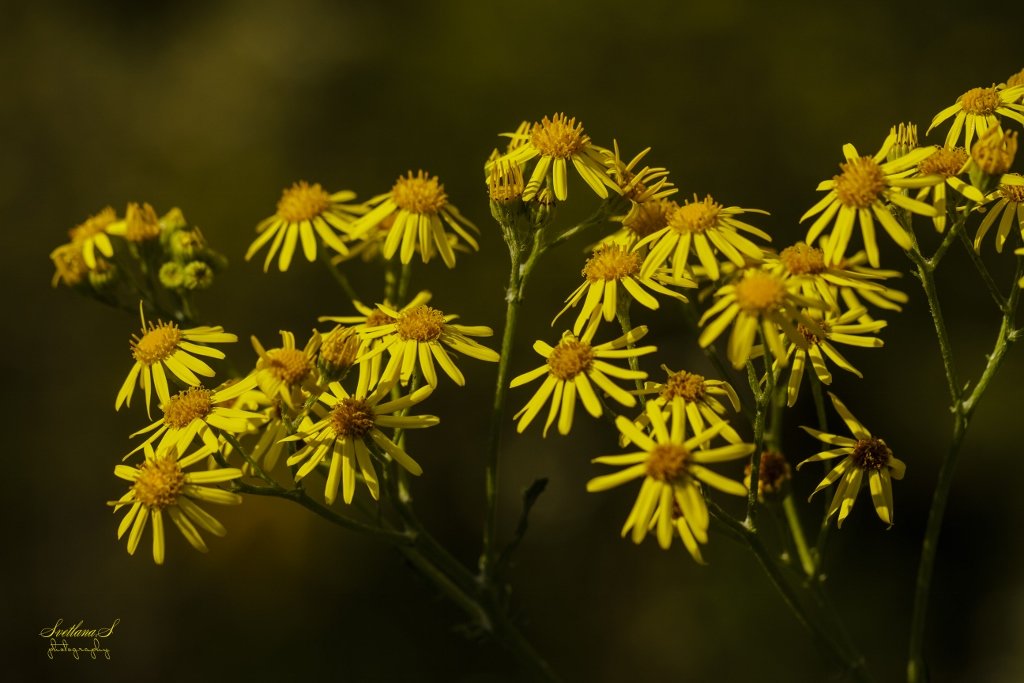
649	217
860	183
696	216
612	262
994	152
303	202
352	418
93	225
980	101
160	483
1014	193
945	162
667	461
157	343
340	348
774	472
141	223
421	324
188	405
1015	80
871	454
686	385
570	358
559	137
760	292
289	365
419	193
803	259
505	182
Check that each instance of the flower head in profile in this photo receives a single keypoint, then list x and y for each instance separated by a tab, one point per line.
419	210
141	224
759	301
91	236
947	163
673	469
610	267
1009	204
349	428
707	227
805	266
573	367
304	213
369	354
285	372
166	345
864	457
858	195
555	143
699	398
835	328
644	219
160	484
977	110
417	336
69	265
639	185
201	412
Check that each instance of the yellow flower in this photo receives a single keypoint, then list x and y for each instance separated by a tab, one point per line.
572	366
805	265
558	141
339	349
947	163
198	411
1010	194
858	194
865	456
843	329
417	203
167	344
884	298
304	213
710	228
698	397
992	154
287	371
69	265
140	223
417	338
639	186
345	432
975	112
609	267
160	485
370	349
673	468
271	428
645	218
92	235
759	300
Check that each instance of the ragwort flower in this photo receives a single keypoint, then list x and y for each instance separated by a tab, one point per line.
673	469
976	111
865	457
287	371
1010	205
160	484
92	235
698	397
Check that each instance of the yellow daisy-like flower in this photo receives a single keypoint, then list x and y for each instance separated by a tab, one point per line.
1010	205
673	468
758	300
858	194
645	218
843	329
304	213
351	423
805	265
69	265
418	204
558	141
639	186
91	236
369	350
417	337
573	366
709	227
198	411
865	456
976	111
287	371
609	267
165	344
948	163
160	485
698	397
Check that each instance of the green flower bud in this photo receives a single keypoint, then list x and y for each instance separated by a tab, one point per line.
197	275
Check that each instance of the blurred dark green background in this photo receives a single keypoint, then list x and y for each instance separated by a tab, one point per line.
215	107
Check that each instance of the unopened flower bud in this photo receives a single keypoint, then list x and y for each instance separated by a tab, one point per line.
197	275
774	473
338	353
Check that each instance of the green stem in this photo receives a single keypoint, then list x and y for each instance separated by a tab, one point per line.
622	313
762	399
339	277
797	531
986	276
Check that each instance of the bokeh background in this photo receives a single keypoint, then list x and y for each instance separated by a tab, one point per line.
216	106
